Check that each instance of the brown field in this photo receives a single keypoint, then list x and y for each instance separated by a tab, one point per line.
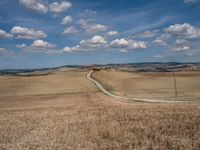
151	85
65	111
57	83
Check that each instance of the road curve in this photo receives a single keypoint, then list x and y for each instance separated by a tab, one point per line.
125	98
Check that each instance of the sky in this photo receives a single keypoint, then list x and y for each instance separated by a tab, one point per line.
50	33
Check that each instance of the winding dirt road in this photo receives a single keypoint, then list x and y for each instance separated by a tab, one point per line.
125	98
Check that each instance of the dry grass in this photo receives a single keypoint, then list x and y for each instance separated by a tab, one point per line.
151	85
60	82
91	120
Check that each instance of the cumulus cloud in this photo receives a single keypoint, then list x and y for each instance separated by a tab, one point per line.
119	43
67	49
183	31
5	35
112	33
42	44
72	49
36	5
96	40
26	33
126	45
70	30
92	44
39	46
57	7
67	20
91	28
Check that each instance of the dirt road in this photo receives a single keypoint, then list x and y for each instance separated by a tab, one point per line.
125	98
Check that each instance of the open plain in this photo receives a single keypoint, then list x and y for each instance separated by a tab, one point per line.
64	110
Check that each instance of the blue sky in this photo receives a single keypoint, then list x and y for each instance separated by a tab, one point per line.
49	33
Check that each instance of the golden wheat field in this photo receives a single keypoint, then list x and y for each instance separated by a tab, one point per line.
65	111
151	85
56	83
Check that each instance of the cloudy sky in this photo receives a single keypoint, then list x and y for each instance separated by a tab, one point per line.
48	33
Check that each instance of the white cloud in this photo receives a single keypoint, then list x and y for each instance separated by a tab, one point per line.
67	20
94	41
4	35
98	42
42	44
97	39
128	44
112	33
26	33
183	31
21	46
92	44
57	7
91	28
190	1
119	43
39	46
36	5
70	30
67	49
71	49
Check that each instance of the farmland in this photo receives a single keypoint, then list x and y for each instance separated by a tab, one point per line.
151	84
63	110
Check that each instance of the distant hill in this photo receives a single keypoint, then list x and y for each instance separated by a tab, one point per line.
140	67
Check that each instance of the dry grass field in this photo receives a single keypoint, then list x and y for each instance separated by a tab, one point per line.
151	85
65	111
57	83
